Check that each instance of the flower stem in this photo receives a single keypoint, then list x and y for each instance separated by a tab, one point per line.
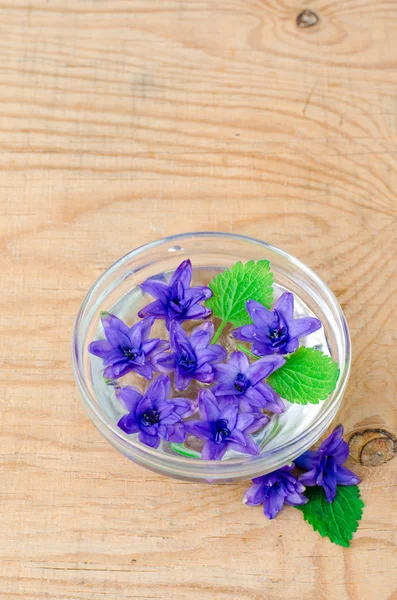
218	332
244	349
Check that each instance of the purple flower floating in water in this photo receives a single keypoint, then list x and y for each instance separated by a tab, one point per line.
244	381
274	490
224	427
176	301
275	331
190	358
155	415
127	348
324	466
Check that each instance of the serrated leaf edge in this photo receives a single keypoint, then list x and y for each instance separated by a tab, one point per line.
355	518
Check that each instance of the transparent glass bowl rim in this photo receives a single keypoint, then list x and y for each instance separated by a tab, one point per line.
176	464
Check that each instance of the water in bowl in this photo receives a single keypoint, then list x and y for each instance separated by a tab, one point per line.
278	431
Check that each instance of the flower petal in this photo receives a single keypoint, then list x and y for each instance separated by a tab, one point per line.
333	440
239	361
263	367
153	347
202	335
260	420
118	370
265	397
262	349
244	420
237	437
157	289
225	373
273	502
295	499
255	494
245	333
181	382
200	428
303	326
261	316
285	306
290	346
182	274
128	424
145	370
117	333
212	355
100	348
329	485
307	460
249	448
149	440
226	389
197	312
198	293
346	477
111	322
207	405
204	374
156	309
310	478
213	451
164	362
184	407
171	419
179	434
179	339
341	452
230	414
135	334
159	390
129	397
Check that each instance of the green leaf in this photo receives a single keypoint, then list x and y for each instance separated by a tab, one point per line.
337	520
183	451
234	287
307	376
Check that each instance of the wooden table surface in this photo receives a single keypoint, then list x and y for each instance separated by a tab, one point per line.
122	121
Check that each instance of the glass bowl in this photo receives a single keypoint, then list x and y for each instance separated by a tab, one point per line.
208	250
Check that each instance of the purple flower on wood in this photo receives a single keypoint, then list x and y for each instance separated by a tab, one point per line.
191	357
274	490
243	380
155	415
176	301
223	427
324	466
127	349
275	331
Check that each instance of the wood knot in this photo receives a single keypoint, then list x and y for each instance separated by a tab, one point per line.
307	18
372	447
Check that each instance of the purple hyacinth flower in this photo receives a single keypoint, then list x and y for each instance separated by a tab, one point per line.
275	331
274	490
244	381
191	357
126	348
176	301
324	466
155	415
223	427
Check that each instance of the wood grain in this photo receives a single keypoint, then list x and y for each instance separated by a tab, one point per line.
125	120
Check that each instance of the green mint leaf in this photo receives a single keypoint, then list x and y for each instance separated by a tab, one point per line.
234	287
183	451
338	520
308	376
